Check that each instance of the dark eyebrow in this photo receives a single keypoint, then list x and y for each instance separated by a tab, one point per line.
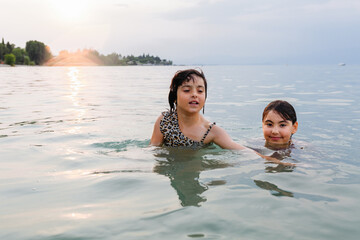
283	121
186	85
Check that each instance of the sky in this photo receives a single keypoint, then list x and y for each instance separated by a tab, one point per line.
192	31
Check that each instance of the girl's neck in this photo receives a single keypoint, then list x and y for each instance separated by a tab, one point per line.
277	146
188	118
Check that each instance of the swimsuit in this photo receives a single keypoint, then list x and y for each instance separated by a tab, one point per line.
173	137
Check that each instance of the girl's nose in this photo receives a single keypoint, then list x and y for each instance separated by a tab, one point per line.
275	130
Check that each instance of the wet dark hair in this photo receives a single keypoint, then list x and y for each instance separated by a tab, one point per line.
179	78
283	108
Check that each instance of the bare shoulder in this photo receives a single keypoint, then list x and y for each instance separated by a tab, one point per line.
206	123
216	133
157	137
158	121
160	117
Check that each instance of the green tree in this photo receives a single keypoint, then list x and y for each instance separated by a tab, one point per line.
112	59
9	47
2	49
10	59
19	55
38	52
115	58
26	60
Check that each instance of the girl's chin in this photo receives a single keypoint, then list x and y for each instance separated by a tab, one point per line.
192	110
276	145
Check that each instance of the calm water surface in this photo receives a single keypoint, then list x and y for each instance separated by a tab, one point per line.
75	161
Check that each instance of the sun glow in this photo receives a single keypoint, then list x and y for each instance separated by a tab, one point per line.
70	10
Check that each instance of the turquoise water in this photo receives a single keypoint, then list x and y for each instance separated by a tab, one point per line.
75	160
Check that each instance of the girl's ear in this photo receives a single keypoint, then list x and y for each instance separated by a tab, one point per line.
295	127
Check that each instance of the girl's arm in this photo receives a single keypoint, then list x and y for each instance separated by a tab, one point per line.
222	138
157	137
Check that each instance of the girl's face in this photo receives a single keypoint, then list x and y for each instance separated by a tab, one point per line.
191	95
277	131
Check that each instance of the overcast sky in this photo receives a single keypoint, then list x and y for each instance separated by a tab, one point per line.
193	31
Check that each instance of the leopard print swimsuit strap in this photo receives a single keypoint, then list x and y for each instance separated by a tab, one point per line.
207	132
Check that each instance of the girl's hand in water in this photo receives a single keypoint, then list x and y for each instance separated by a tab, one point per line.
277	161
271	158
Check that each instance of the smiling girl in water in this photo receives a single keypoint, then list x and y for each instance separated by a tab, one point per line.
279	123
183	125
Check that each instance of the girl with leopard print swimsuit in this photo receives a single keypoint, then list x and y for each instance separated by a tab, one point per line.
183	125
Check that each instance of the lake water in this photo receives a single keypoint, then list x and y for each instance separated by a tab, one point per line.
75	160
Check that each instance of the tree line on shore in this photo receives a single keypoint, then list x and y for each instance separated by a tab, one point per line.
34	53
37	53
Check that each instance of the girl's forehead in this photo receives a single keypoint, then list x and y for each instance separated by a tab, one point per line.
195	80
274	115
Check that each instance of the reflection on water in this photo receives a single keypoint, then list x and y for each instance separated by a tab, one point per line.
183	167
273	189
78	111
278	192
279	168
290	154
282	155
120	146
75	85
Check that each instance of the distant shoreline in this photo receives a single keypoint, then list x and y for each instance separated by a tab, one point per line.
37	53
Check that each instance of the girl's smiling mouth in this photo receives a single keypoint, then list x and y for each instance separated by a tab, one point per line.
194	102
275	138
